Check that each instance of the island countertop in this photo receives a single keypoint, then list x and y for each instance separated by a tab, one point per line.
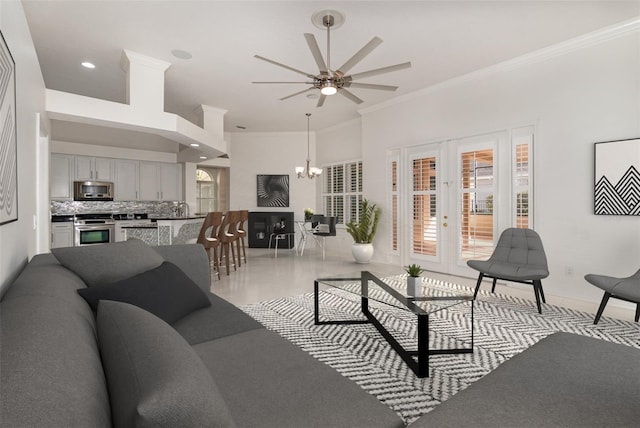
192	217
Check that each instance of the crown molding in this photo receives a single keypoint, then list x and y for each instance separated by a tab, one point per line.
571	45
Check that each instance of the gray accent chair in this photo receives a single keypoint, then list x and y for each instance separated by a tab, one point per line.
627	289
519	257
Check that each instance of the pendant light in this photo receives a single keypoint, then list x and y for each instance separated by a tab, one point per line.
309	171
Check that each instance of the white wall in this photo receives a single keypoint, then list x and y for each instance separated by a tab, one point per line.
271	153
18	240
575	99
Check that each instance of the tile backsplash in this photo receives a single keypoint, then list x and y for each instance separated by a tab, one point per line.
160	209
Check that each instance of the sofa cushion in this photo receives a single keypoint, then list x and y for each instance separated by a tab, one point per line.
104	264
270	383
164	291
154	377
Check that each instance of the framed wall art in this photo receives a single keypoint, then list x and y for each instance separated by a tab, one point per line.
8	137
617	178
273	190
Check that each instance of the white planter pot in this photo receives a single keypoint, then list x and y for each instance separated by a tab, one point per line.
414	286
362	252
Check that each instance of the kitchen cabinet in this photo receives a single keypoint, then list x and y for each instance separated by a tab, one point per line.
126	180
61	183
159	181
61	235
91	168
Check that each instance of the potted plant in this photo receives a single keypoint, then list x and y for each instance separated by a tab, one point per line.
414	281
308	213
364	231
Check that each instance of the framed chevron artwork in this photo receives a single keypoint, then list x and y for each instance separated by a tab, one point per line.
617	178
8	137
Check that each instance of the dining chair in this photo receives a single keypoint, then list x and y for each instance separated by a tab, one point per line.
326	227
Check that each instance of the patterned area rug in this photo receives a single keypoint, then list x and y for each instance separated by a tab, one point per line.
503	327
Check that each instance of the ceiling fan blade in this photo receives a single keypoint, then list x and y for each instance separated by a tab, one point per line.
321	100
297	93
278	83
382	70
349	95
311	76
370	86
359	56
315	51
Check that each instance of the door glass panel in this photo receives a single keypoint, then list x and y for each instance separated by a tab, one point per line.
477	193
425	207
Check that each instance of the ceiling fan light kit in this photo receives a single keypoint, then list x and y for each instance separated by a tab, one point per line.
328	80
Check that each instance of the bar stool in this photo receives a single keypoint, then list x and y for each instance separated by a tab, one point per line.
241	231
227	237
208	238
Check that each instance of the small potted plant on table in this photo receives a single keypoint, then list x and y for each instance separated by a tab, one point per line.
414	281
308	213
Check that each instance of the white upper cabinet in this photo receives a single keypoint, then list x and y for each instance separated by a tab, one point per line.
160	181
126	180
61	183
90	168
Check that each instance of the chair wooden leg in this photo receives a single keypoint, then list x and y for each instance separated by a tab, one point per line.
237	250
478	285
216	261
605	299
225	253
244	252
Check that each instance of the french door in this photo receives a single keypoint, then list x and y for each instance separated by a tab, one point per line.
451	202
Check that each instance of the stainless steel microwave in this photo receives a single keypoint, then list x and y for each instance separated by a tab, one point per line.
92	191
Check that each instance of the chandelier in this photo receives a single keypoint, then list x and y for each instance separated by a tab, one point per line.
309	171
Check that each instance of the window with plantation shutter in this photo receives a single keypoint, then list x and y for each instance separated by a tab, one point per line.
342	191
393	163
477	192
521	171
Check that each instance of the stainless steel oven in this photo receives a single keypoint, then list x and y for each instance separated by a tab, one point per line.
93	229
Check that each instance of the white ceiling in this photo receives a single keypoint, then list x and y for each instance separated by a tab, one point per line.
442	39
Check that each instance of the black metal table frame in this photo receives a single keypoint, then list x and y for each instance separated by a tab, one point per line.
419	367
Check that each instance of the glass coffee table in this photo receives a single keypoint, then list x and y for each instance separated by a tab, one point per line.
391	290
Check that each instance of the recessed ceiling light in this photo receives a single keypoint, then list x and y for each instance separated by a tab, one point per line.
203	157
87	64
194	145
179	53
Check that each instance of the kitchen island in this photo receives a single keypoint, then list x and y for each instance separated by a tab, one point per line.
166	230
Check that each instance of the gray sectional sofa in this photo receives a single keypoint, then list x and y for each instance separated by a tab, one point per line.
191	359
63	366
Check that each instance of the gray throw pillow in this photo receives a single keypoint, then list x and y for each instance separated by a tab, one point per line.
155	379
107	263
166	291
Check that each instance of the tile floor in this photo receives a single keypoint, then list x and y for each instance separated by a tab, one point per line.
265	277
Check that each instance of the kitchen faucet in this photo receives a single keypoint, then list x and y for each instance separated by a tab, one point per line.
182	209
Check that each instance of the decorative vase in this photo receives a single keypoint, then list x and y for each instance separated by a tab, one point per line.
414	286
362	252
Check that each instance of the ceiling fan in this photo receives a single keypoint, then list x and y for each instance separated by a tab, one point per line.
328	80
